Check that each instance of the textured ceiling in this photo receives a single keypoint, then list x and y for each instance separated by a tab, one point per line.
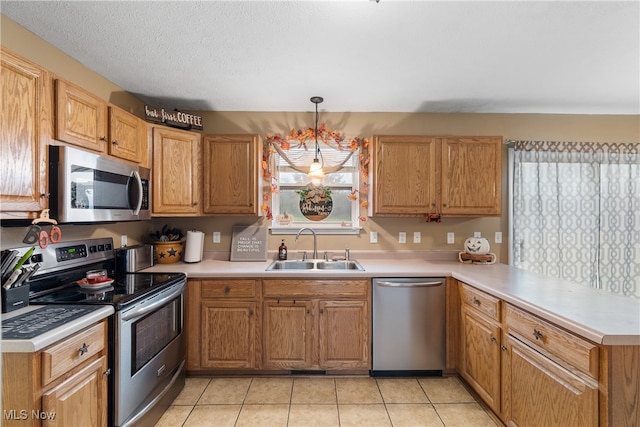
433	56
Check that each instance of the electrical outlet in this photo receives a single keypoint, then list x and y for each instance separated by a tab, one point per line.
477	234
402	237
451	238
123	241
498	237
216	237
417	237
373	237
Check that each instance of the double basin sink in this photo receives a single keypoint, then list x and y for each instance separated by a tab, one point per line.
315	265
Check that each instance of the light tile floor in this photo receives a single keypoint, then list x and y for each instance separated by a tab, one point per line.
333	401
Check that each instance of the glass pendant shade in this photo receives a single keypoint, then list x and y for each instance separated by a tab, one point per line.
315	172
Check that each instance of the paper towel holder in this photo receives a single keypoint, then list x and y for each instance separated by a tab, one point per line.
194	246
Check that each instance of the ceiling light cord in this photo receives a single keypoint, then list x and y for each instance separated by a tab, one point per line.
316	172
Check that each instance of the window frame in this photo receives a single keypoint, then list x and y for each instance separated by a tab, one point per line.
320	227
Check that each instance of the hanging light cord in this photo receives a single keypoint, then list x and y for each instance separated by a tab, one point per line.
316	100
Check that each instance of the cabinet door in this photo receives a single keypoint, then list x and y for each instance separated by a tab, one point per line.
344	334
405	171
481	356
540	392
126	133
287	334
472	176
81	117
230	174
25	116
228	334
177	169
80	400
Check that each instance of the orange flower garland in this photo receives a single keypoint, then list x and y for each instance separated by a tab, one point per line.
325	135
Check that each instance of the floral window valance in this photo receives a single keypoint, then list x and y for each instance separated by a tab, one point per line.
335	150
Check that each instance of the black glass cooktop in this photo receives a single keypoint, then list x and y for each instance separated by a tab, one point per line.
121	292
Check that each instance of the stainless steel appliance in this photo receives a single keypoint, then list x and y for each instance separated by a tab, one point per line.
87	187
408	326
146	339
134	258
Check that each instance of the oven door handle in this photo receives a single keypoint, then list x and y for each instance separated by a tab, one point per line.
144	308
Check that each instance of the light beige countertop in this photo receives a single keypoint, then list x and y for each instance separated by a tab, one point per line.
39	342
594	314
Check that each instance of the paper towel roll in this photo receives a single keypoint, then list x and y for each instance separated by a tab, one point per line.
194	246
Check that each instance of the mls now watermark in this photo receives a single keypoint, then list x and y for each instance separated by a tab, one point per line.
23	414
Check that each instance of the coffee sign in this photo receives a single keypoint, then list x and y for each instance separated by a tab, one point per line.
175	118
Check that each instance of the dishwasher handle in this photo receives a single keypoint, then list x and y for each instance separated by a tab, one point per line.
389	284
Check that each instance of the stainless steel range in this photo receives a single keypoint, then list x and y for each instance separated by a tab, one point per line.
146	340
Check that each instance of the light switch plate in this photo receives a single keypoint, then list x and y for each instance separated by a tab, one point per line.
451	238
123	241
373	237
417	237
498	237
216	237
477	234
402	237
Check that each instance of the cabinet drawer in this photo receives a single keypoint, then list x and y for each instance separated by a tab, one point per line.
71	352
576	351
480	301
229	289
316	288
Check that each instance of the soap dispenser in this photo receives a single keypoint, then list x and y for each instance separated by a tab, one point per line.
282	251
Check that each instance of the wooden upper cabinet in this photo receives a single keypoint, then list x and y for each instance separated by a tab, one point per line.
472	176
81	117
405	171
26	128
419	175
127	135
177	172
230	171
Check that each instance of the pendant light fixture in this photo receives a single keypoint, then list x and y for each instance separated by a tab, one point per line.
315	169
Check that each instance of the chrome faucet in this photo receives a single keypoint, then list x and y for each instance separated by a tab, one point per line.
315	241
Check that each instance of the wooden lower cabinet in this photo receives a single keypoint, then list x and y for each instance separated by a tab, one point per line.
344	334
539	392
288	333
481	356
228	334
222	320
64	384
80	400
527	370
316	324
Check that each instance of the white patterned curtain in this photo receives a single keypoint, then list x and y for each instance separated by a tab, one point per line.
576	212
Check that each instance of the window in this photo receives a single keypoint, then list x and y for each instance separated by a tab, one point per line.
291	180
576	213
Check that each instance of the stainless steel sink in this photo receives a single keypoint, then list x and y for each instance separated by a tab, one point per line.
339	265
314	265
291	265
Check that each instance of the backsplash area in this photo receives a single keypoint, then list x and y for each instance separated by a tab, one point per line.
433	236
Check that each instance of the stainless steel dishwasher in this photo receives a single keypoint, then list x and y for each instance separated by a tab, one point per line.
409	326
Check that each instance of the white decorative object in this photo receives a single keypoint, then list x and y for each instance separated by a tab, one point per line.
476	251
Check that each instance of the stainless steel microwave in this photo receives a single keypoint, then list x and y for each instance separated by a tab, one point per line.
88	187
